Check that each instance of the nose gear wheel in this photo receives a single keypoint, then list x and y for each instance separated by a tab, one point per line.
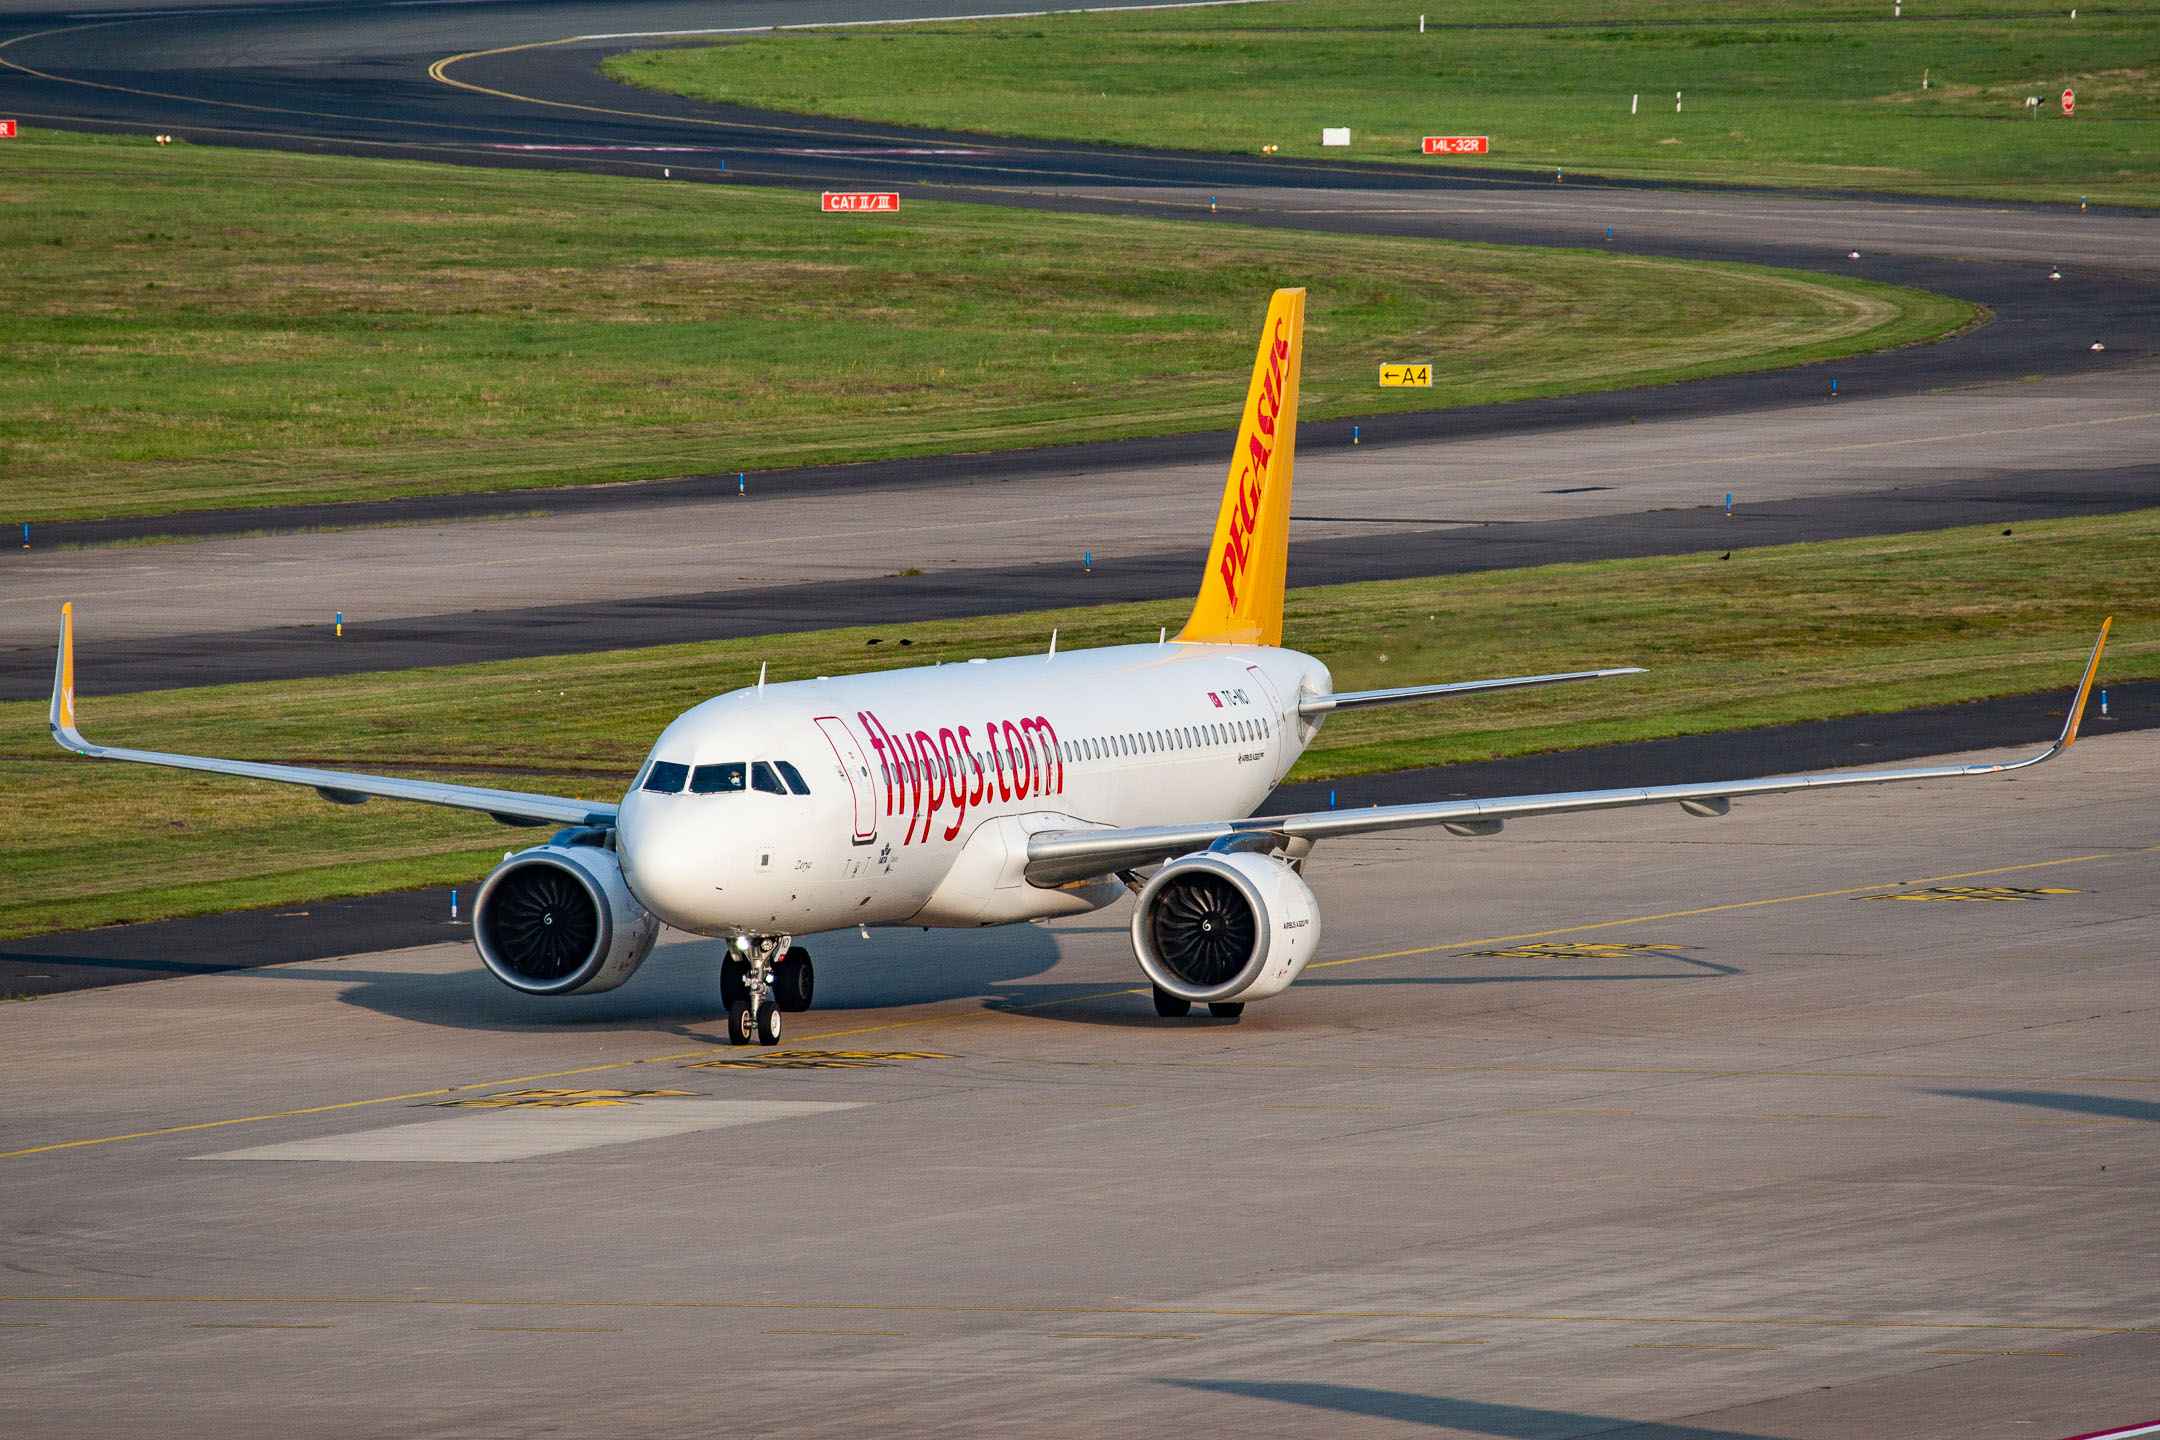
757	984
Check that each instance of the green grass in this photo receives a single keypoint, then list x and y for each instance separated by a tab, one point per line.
185	328
1778	92
1795	633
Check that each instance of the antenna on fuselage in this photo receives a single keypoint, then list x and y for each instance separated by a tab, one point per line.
1053	646
761	679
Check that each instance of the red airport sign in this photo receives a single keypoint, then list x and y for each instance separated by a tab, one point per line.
852	201
7	129
1457	144
2069	102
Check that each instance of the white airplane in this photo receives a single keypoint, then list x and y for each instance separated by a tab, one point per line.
988	792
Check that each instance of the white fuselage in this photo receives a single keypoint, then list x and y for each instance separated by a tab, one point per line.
923	784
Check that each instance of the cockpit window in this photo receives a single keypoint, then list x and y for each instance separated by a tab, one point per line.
666	777
762	778
793	777
717	779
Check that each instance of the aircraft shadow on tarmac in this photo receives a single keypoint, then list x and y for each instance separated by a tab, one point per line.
678	990
2104	1106
1476	1417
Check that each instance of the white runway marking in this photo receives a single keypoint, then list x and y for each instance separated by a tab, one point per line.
496	1135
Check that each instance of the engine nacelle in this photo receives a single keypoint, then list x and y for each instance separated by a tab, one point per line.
1216	927
558	919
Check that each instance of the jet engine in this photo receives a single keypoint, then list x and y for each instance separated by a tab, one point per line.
558	919
1223	927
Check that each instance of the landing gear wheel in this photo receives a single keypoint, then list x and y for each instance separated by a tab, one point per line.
734	983
793	981
1170	1006
1226	1009
741	1023
768	1024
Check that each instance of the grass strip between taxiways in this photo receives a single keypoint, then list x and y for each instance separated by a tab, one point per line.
186	328
1837	93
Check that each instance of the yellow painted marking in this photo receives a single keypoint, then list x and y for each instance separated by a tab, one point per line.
1733	905
1974	892
1376	1340
1705	1347
837	1332
215	1325
554	1329
22	1324
1774	1115
2048	1354
1081	1104
899	1308
1588	950
1323	1107
1582	1070
957	1018
560	1099
1515	1110
1085	1335
817	1060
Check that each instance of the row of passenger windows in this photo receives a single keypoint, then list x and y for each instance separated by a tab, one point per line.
1152	742
1144	742
667	777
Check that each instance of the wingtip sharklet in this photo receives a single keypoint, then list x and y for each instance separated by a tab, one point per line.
61	719
2077	707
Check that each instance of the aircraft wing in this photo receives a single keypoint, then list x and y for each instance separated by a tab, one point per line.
341	787
1057	857
1313	705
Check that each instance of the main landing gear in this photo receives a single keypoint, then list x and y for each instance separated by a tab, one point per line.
761	980
1171	1007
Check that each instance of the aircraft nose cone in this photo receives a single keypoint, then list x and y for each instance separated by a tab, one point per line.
670	871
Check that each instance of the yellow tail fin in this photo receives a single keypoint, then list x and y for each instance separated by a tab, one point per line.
1241	596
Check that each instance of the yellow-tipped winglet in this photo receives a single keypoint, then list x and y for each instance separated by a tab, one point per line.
62	718
2077	707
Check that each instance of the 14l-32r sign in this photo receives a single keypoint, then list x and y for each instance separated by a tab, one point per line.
1457	144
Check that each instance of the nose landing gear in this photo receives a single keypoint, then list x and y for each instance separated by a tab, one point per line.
758	983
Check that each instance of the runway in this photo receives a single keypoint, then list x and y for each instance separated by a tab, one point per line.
1888	1052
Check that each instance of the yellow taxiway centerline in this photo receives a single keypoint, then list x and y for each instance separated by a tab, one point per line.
947	1019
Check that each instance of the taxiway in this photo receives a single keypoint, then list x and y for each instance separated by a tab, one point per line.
1834	1118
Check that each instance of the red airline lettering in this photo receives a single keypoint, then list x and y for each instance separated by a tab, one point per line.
926	774
1252	484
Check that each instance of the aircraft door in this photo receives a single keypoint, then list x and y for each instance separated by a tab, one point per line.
855	765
